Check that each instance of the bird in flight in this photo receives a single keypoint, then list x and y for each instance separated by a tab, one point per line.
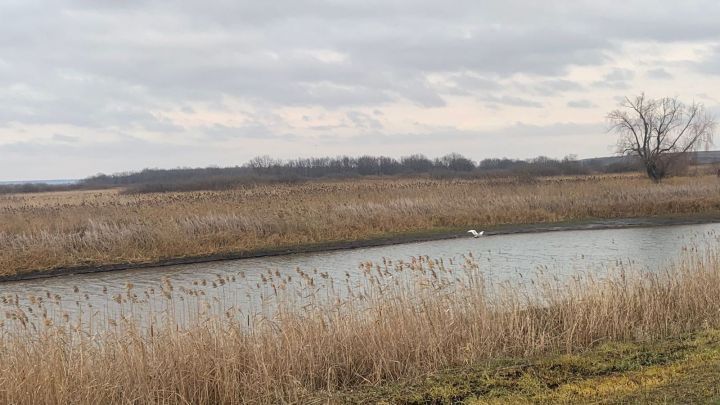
475	233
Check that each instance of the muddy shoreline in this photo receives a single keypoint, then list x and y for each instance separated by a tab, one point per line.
380	241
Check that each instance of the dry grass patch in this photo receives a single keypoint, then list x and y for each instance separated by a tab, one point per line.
63	229
407	321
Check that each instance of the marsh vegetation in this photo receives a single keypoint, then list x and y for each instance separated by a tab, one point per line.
403	320
52	230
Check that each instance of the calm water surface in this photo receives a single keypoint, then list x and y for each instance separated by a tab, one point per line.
247	284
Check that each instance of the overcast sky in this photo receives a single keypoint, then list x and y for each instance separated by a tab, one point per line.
106	86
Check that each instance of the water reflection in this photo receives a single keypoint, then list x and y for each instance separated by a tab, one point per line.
248	287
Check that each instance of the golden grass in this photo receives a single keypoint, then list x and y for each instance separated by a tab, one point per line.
407	320
683	369
52	230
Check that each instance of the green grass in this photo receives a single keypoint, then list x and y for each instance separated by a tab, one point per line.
679	370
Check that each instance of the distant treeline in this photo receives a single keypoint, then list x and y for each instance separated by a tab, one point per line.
264	169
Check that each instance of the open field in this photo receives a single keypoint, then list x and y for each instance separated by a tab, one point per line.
415	331
64	229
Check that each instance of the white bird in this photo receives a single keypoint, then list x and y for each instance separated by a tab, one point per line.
475	233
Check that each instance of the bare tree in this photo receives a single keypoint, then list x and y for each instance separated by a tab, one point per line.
263	162
660	131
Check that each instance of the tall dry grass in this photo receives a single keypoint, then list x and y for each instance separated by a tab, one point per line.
407	320
88	227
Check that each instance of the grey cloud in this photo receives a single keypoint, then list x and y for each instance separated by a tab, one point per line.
659	73
121	153
511	100
710	64
81	101
518	131
618	75
420	94
65	138
466	84
364	121
558	129
326	128
38	147
254	51
581	104
616	79
253	130
34	159
119	66
556	86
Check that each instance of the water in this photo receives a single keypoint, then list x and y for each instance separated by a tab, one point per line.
56	182
246	285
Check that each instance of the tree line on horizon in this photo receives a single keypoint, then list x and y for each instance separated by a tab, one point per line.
265	169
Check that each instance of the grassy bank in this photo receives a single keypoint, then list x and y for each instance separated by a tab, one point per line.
54	230
684	369
406	321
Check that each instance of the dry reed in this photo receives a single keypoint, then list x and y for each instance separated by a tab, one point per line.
63	229
406	320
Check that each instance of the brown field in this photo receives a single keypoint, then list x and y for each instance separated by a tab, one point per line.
54	230
409	320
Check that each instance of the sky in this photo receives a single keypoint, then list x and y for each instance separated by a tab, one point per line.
100	86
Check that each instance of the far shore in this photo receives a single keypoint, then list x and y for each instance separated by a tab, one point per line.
386	240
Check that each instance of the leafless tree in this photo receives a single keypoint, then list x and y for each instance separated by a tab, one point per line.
660	131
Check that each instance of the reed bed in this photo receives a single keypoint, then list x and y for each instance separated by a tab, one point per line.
53	230
404	320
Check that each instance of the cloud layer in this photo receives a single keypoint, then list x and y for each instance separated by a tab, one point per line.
82	82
